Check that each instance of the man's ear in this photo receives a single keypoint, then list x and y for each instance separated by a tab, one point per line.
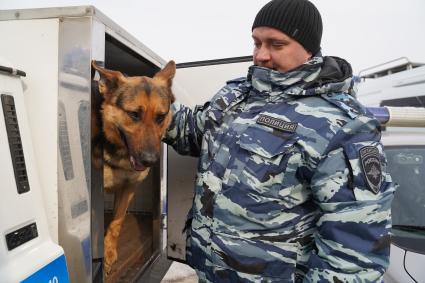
166	75
109	80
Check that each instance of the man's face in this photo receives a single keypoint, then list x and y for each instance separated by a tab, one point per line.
275	50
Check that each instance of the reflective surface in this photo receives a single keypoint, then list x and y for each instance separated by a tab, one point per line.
407	167
74	146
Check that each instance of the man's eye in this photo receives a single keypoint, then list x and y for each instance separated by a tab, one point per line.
278	44
134	115
257	43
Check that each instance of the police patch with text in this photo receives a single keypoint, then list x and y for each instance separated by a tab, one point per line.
371	164
276	123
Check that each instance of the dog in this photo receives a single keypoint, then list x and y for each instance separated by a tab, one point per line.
132	117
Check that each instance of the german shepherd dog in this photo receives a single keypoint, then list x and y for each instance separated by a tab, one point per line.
133	117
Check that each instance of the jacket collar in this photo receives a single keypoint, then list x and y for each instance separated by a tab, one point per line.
317	76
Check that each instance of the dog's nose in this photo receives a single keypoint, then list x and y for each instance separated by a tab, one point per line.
148	158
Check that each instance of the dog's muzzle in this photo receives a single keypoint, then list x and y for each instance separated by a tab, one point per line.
135	162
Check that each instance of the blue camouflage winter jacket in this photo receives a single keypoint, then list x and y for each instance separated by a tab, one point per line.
291	183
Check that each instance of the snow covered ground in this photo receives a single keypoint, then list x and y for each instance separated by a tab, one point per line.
180	273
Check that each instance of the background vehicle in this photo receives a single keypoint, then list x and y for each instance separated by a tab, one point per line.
402	83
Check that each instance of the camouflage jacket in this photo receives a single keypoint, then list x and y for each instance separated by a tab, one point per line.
291	183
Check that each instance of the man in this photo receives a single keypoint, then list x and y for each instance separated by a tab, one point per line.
291	183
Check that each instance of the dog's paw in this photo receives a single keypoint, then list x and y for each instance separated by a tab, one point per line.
107	268
110	258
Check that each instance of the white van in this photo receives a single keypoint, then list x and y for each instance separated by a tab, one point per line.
402	83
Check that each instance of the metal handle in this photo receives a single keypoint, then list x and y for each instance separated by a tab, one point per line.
399	116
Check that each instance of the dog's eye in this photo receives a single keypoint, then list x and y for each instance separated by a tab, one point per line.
160	118
134	115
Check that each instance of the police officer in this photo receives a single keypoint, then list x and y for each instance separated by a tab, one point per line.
291	183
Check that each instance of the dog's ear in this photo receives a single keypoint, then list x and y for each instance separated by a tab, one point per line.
109	80
165	77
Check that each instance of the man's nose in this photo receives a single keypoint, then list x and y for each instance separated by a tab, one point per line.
262	54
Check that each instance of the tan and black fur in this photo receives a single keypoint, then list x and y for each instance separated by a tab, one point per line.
133	117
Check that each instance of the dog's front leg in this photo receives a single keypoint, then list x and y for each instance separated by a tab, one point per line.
122	199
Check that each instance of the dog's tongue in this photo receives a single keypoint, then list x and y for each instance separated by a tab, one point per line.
136	165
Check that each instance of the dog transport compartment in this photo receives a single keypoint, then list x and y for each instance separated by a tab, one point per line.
59	46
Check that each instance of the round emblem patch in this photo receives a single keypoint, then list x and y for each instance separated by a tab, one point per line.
372	170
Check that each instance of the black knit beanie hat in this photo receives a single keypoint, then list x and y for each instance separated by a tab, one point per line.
298	19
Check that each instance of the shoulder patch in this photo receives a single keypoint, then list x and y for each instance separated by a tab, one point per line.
371	165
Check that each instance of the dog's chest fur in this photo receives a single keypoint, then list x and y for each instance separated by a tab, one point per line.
117	172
